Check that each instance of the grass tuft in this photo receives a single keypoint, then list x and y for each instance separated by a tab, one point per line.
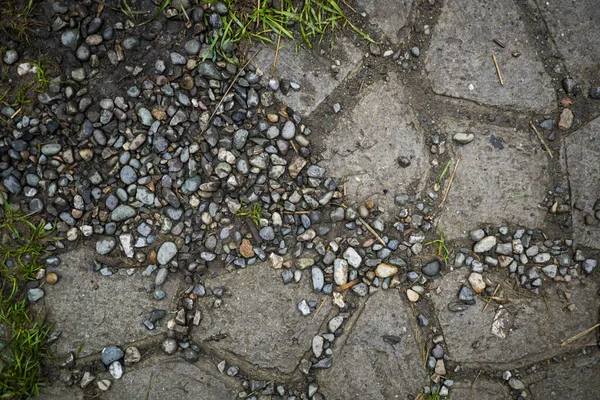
23	333
17	18
254	213
440	244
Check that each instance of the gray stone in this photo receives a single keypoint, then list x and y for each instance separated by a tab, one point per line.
122	212
582	154
128	175
460	64
11	57
111	354
353	258
378	357
105	245
267	233
289	130
166	252
282	346
145	116
485	244
209	70
318	280
35	294
12	184
431	269
69	38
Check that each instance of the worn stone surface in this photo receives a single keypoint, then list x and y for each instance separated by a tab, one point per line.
567	24
534	334
492	184
311	71
482	389
380	14
260	318
576	378
175	378
582	155
91	319
363	149
366	364
460	63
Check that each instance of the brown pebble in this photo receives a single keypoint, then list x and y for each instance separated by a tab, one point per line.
369	204
51	278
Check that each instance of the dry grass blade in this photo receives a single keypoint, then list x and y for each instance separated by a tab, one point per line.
579	335
540	138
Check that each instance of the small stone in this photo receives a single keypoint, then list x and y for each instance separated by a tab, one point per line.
190	355
485	244
267	233
169	346
412	296
303	307
431	269
105	246
104	384
132	355
166	252
335	323
289	130
275	261
246	249
463	138
477	235
116	370
516	384
318	278
340	272
353	258
11	57
51	278
385	270
111	354
566	119
35	294
317	345
476	281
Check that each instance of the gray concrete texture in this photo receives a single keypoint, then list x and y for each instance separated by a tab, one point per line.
535	326
260	317
460	64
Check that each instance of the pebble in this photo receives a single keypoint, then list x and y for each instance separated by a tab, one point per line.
412	296
318	279
566	119
190	355
485	244
353	258
431	269
289	130
477	282
463	138
132	355
385	270
111	354
116	370
169	346
35	294
166	253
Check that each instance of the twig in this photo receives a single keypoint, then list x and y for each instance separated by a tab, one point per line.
149	385
372	231
491	298
297	212
580	334
347	285
319	309
276	56
231	86
100	8
16	112
349	6
498	70
257	14
540	138
294	146
450	183
188	24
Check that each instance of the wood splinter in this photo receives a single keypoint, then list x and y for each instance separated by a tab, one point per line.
498	70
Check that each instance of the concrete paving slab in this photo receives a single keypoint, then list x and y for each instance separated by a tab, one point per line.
502	177
537	327
572	25
260	317
174	379
460	64
574	379
369	366
91	319
482	389
582	153
313	72
390	16
364	147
